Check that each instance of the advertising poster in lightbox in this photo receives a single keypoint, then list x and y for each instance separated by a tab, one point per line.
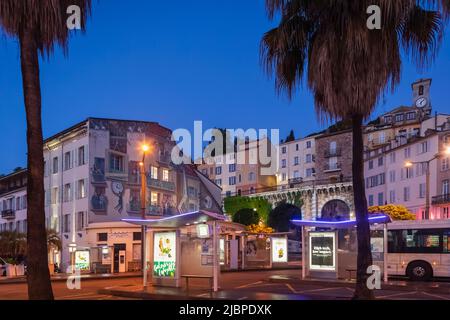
82	260
164	253
322	255
279	250
377	246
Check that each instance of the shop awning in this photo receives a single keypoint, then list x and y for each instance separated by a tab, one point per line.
178	221
345	224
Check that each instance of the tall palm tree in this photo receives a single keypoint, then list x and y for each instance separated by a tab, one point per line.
349	67
39	25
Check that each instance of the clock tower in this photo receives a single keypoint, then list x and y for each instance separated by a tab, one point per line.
421	95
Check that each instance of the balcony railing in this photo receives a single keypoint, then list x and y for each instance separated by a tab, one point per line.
134	206
332	167
162	185
442	199
333	153
8	214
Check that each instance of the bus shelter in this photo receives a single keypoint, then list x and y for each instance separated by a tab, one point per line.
181	247
329	248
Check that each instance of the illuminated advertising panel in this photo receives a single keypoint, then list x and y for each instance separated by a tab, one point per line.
322	251
82	260
279	250
164	253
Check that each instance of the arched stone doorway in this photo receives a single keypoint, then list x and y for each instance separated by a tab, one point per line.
335	210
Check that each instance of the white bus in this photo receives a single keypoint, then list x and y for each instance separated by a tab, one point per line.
419	249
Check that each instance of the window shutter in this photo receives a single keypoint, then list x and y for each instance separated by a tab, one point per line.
75	158
85	154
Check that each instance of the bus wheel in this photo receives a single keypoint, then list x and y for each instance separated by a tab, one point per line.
419	271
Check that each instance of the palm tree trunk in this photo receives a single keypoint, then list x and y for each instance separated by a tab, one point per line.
38	275
364	259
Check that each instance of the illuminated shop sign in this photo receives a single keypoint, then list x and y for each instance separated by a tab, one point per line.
203	231
164	251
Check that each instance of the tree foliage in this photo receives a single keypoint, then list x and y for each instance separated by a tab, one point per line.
246	217
396	212
234	204
280	217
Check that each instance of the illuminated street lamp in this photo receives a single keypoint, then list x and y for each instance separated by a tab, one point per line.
409	164
145	149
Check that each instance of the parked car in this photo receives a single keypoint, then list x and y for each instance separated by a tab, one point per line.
2	267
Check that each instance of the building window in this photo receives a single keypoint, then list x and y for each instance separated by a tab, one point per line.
218	170
81	156
81	189
380	199
445	164
55	166
80	221
445	187
370	164
205	172
309	172
392	157
153	172
228	193
154	199
308	144
296	147
137	236
219	182
232	181
283	163
103	236
399	117
423	147
165	175
407	153
296	174
232	167
67	161
296	161
392	176
67	192
283	177
411	116
445	214
66	223
54	196
251	176
283	150
421	90
392	196
309	158
380	161
409	173
388	119
116	163
422	190
370	200
406	194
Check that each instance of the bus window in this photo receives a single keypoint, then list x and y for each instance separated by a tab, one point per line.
415	241
446	242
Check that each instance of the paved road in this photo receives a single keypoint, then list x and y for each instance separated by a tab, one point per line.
243	285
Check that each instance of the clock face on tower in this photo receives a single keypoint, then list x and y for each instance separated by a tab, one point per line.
421	102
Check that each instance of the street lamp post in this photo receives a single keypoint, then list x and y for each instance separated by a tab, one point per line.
145	149
427	163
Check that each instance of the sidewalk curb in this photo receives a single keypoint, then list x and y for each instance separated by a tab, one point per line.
410	287
88	278
150	296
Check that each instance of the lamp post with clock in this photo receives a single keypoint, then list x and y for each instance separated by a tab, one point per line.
145	149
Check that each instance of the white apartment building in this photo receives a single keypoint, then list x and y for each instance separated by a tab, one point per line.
296	162
13	201
390	181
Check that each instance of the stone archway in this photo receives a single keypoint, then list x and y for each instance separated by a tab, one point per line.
335	210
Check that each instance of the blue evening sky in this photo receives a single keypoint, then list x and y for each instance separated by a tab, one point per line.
172	62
